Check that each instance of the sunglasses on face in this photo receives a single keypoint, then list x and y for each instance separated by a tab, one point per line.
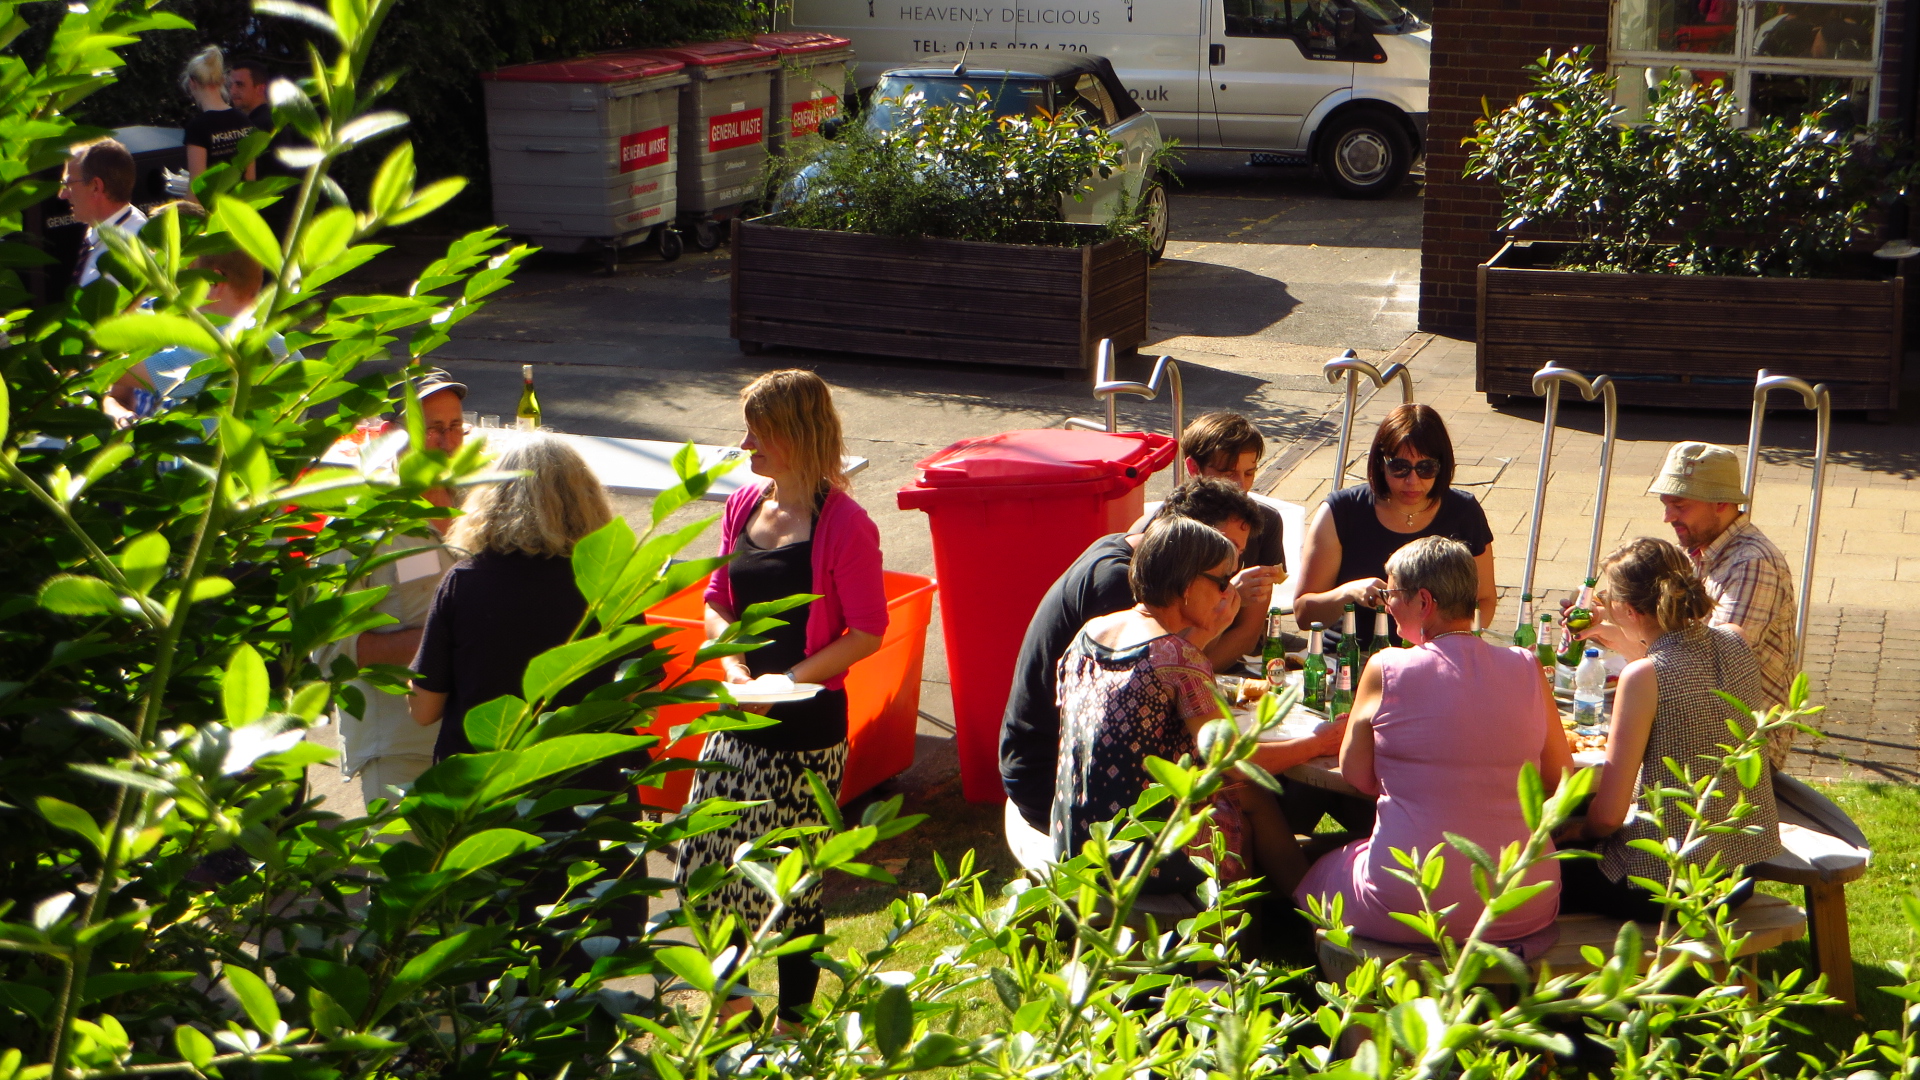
1425	468
1225	583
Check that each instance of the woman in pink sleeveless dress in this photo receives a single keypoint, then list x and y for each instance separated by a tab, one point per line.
1438	733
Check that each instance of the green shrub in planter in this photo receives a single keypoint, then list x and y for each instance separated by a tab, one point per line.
1688	191
953	172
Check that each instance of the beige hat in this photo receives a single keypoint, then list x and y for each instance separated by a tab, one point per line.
1702	471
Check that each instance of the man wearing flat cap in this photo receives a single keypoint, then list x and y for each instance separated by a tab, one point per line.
1745	574
383	746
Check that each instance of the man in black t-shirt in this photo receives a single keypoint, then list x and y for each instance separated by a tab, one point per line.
248	88
1095	585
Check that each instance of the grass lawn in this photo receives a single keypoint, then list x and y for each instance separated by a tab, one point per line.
1887	812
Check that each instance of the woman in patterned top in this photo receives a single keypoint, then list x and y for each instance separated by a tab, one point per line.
1651	609
1136	683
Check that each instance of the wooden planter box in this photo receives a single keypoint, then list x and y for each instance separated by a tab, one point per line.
1688	340
936	299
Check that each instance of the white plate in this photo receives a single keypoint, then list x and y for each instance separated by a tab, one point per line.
800	692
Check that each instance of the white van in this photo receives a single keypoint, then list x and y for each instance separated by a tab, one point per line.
1343	82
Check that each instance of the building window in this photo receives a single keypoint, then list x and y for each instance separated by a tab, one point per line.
1782	60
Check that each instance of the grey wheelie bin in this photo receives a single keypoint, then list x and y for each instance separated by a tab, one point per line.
584	153
723	130
808	84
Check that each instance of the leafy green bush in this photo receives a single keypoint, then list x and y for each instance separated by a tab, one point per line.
1688	191
955	172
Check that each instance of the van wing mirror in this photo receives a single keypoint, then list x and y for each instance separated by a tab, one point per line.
832	126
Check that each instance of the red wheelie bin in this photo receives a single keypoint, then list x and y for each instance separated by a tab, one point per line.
1009	513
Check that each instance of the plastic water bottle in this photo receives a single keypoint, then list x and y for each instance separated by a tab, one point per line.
1589	694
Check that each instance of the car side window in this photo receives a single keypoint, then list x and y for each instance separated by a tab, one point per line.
1091	94
1261	18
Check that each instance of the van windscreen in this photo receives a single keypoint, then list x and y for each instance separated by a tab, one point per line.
1011	96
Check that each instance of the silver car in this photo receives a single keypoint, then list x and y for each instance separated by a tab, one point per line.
1031	83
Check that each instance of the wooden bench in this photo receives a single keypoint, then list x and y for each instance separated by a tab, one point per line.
1822	865
1767	920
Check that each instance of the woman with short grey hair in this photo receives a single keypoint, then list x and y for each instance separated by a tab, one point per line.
1138	682
1444	568
1439	733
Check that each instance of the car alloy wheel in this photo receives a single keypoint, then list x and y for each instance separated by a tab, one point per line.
1158	221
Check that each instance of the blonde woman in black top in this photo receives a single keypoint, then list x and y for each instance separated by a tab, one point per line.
213	135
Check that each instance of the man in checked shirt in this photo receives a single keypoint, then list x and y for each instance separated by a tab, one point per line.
1745	574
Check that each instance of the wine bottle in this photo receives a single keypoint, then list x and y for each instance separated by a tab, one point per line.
527	416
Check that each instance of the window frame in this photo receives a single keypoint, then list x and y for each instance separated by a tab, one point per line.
1742	67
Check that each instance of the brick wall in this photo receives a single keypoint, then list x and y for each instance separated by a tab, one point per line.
1479	49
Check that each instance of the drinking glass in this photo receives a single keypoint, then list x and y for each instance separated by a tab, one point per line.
489	420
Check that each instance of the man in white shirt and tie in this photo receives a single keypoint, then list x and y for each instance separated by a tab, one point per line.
98	186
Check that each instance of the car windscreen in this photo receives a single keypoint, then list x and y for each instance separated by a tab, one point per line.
1011	96
1388	16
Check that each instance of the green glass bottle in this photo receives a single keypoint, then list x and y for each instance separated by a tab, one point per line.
1313	682
1579	617
1273	652
1379	641
1523	635
526	416
1343	683
1544	648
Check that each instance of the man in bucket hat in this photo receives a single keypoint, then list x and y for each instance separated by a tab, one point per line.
1745	574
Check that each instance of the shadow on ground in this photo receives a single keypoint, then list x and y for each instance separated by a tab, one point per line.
1237	303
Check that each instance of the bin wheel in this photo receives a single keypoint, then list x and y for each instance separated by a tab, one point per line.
669	242
751	348
1497	400
706	234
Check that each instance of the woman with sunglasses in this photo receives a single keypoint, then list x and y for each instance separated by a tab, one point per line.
1136	683
1409	494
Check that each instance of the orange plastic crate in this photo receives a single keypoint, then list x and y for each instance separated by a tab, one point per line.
883	690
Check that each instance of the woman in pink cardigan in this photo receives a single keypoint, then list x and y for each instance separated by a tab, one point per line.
797	532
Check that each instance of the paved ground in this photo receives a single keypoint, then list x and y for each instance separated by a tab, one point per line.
1267	277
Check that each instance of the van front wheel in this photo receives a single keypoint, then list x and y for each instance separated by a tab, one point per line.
1365	154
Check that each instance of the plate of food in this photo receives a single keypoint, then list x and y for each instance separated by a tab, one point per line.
772	689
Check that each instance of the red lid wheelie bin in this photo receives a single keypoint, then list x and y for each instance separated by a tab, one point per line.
1009	514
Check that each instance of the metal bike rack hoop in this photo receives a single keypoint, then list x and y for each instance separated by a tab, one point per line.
1166	374
1817	398
1547	382
1351	368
